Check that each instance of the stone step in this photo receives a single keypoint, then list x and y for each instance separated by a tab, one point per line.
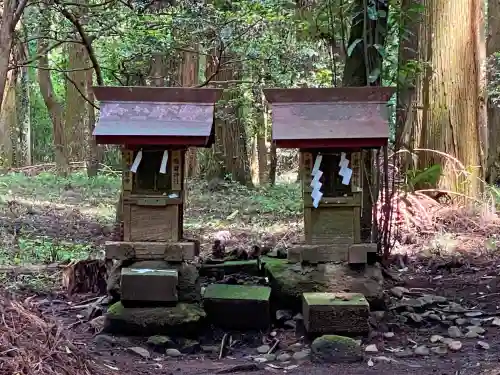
336	313
149	285
238	307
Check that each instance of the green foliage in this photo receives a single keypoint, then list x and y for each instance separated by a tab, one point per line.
428	178
45	250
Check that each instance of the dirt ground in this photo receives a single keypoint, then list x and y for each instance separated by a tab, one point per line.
470	281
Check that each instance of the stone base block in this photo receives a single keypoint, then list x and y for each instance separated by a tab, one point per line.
238	307
149	285
336	313
318	253
167	251
184	320
358	253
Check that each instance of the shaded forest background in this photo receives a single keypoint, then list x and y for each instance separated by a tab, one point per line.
442	55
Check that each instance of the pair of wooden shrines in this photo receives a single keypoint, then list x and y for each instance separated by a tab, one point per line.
334	129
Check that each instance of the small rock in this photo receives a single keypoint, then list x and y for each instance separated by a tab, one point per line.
269	357
454	332
422	350
296	347
284	357
300	356
473	314
260	359
282	315
461	321
263	349
173	352
483	345
496	322
475	321
436	338
455	345
440	350
389	335
434	317
159	340
452	317
336	349
476	329
471	335
415	317
140	351
103	340
97	323
189	346
291	324
399	291
372	348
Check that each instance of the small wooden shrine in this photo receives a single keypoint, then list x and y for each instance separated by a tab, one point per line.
335	129
155	126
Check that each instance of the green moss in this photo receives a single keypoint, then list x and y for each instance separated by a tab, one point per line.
333	299
237	292
293	283
336	339
180	314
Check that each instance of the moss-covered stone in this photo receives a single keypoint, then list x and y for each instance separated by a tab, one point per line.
290	281
336	349
183	319
238	307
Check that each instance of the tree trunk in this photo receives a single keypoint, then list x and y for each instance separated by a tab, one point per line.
452	92
254	160
273	163
93	155
189	77
363	67
9	17
54	108
492	48
24	117
8	120
76	105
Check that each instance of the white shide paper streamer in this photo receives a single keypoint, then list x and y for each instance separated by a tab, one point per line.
315	184
136	163
164	161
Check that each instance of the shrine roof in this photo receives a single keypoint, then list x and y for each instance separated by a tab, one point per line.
348	117
156	116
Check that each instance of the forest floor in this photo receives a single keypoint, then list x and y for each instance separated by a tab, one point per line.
45	221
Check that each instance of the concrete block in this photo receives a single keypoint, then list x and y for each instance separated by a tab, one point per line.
149	285
335	313
238	307
358	253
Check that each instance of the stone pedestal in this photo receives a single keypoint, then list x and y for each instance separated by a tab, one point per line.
238	307
149	285
336	313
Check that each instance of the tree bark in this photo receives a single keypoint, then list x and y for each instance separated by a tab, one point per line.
12	11
94	154
54	108
76	105
493	105
451	93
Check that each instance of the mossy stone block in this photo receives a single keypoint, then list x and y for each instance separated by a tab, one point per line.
149	285
340	313
184	319
238	307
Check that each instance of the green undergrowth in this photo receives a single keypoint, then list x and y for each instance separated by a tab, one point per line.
43	250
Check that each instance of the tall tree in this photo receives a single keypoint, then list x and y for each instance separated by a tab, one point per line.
451	93
492	51
11	13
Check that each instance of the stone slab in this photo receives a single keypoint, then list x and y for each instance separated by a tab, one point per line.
358	253
290	281
167	251
238	307
149	285
318	253
336	313
183	319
